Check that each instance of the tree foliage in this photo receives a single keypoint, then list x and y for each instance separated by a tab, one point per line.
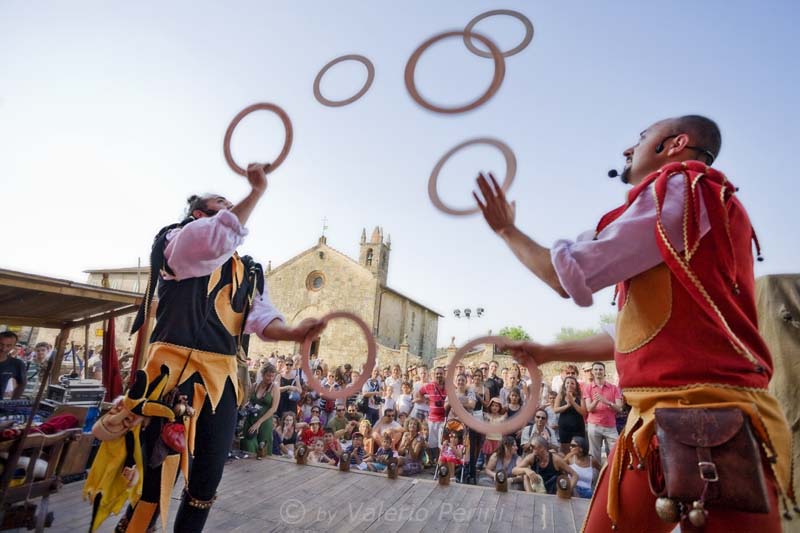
515	333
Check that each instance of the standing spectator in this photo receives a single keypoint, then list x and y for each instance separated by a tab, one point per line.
566	370
481	393
435	394
420	409
405	401
263	405
466	397
370	393
571	413
10	366
588	378
388	400
395	381
496	413
493	381
40	356
552	416
290	389
603	401
95	364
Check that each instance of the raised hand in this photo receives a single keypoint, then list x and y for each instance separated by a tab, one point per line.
499	214
257	176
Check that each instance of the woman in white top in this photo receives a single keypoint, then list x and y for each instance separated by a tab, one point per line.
584	465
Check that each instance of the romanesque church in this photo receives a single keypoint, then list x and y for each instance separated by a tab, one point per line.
322	279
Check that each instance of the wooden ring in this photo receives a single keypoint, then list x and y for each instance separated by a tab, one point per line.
287	144
353	388
523	416
338	103
511	172
497	80
517	15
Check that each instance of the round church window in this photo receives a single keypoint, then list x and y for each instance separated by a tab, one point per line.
315	281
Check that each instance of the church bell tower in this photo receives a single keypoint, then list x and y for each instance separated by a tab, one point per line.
374	254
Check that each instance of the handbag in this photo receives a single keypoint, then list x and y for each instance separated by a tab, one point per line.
706	458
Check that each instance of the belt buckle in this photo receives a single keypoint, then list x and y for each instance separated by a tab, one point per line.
708	471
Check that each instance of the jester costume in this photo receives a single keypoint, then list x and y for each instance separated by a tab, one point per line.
199	329
687	336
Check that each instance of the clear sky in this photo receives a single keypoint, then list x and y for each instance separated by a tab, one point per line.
112	113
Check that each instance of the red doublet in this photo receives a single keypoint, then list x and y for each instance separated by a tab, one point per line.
692	319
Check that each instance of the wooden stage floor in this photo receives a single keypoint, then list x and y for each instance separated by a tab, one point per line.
278	495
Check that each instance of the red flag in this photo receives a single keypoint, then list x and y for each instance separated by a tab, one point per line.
112	380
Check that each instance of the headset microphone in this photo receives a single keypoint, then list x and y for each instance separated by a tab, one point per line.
613	173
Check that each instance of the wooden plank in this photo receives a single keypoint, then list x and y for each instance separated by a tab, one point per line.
503	516
469	502
563	521
580	509
523	514
410	500
481	519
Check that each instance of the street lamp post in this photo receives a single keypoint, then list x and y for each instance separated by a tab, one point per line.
468	314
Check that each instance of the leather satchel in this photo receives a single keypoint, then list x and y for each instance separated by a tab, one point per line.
710	455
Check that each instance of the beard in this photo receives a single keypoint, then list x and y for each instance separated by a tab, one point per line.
625	177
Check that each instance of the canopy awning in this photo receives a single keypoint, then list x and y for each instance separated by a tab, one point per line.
32	300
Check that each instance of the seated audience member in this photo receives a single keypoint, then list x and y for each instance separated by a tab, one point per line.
452	453
338	421
548	465
387	423
317	453
380	459
365	428
505	459
347	433
352	413
411	447
311	431
358	454
288	433
331	446
584	465
538	428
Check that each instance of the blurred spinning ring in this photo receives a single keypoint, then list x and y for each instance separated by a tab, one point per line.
517	15
511	171
497	80
508	427
355	387
287	144
338	103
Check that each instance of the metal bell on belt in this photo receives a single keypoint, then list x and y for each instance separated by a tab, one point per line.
667	510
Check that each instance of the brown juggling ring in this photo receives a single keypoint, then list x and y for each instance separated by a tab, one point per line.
367	84
517	15
511	171
353	388
287	144
497	80
507	427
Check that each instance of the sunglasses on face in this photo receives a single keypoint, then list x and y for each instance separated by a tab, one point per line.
540	417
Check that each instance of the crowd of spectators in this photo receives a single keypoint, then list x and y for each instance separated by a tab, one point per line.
405	416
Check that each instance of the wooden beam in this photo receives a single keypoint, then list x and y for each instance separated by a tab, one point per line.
13	320
69	290
61	342
102	316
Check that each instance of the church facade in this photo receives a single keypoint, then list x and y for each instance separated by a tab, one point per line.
322	279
